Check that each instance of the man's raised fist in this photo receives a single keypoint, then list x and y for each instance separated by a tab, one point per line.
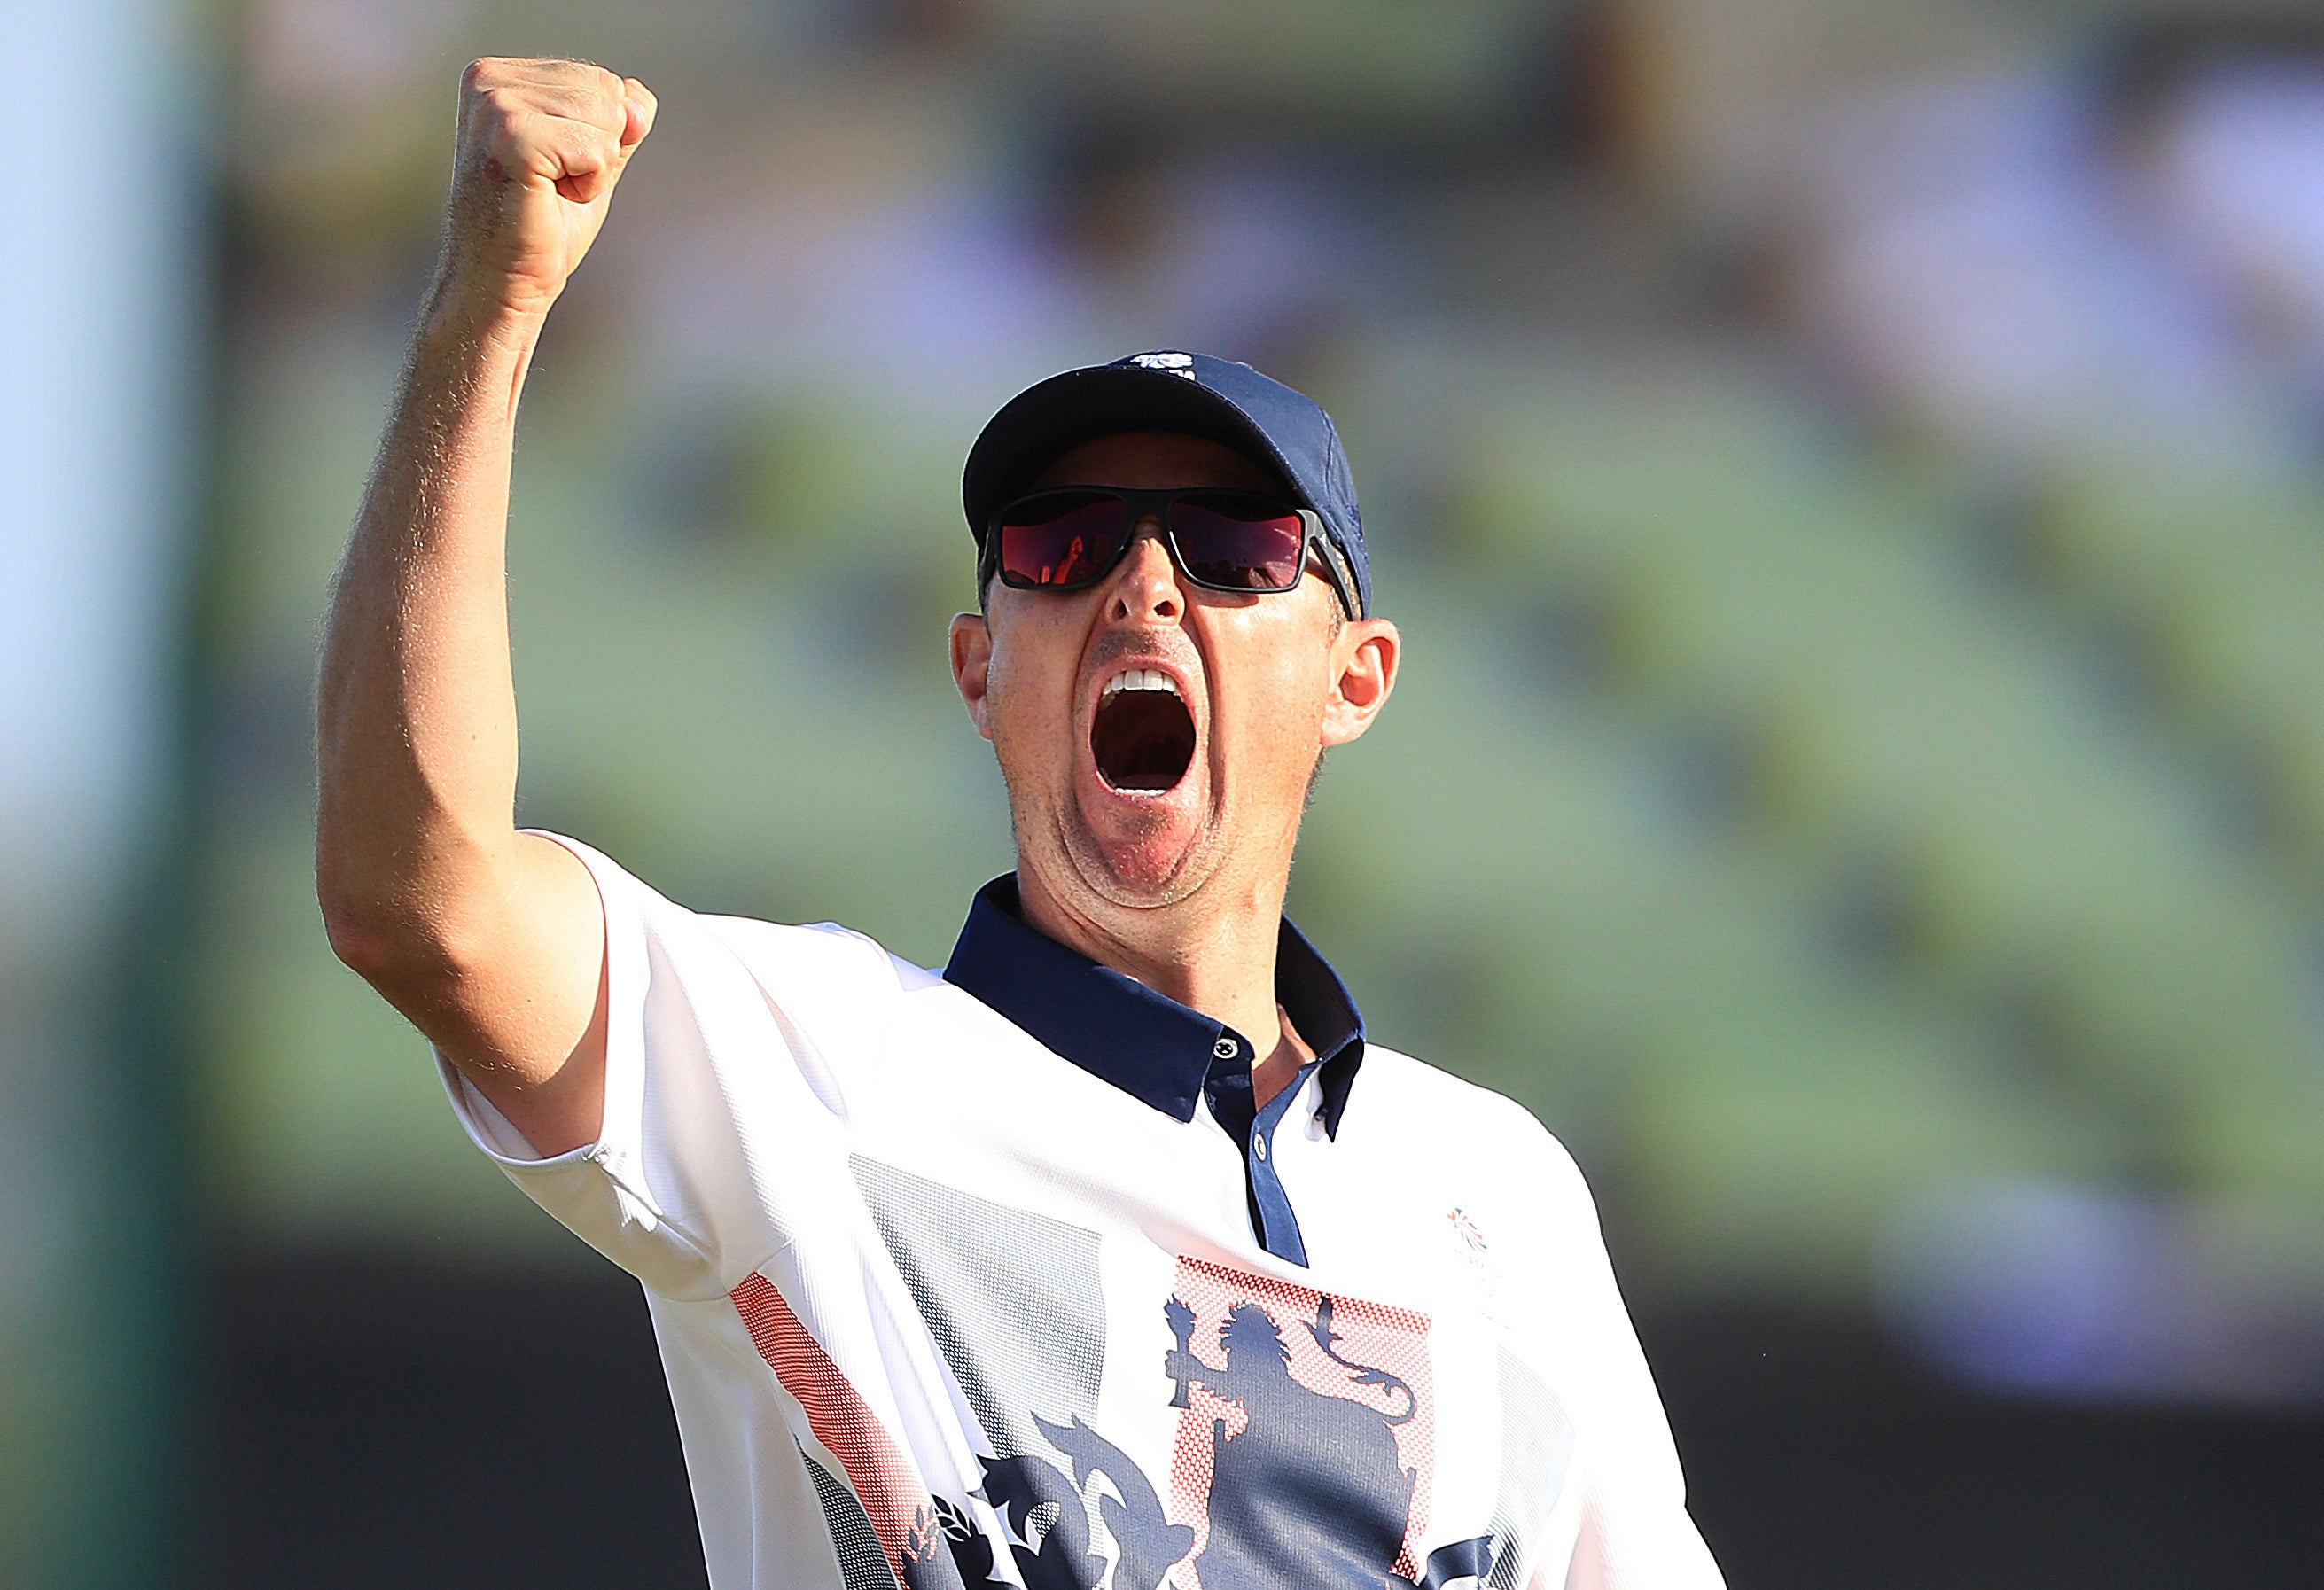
542	144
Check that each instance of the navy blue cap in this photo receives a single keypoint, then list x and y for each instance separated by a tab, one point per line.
1194	393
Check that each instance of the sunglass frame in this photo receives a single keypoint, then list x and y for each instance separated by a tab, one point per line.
1155	503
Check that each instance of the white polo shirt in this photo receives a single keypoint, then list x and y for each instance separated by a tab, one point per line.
996	1278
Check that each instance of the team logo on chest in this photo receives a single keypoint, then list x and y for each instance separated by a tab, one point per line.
1306	1440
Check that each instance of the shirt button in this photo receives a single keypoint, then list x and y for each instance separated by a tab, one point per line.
1258	1145
1224	1049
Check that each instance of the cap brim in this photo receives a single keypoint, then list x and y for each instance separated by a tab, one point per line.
1052	417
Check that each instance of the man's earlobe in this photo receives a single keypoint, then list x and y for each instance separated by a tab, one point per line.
972	663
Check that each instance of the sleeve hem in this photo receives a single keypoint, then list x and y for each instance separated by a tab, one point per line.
495	1137
620	1128
617	1146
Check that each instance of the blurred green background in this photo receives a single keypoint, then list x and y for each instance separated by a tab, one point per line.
1802	795
1850	476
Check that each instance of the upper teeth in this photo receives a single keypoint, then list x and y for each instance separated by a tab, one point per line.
1140	679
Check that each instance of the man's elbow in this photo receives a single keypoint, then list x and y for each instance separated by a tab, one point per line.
390	946
365	943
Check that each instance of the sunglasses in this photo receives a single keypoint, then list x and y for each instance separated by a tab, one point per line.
1070	537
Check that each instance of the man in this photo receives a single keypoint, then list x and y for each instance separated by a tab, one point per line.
1115	1256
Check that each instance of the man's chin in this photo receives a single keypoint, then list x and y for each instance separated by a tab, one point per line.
1142	858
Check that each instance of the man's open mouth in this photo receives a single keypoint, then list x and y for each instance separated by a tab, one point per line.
1143	736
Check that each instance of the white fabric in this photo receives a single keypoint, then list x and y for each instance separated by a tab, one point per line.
980	1239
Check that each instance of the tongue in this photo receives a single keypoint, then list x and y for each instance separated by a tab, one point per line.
1143	739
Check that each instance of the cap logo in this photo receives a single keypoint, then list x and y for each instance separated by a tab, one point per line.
1175	363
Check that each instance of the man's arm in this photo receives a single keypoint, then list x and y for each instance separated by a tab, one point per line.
491	941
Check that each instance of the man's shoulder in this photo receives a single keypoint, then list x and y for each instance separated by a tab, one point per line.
857	962
1515	1186
1417	1099
841	957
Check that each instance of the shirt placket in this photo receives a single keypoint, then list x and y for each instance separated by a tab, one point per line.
1229	1092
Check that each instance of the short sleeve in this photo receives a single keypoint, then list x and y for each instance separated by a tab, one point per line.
730	1050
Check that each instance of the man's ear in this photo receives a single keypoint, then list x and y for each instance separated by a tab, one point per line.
971	658
1364	657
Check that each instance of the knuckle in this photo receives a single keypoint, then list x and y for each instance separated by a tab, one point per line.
515	131
601	98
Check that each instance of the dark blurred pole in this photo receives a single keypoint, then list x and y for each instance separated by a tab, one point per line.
103	286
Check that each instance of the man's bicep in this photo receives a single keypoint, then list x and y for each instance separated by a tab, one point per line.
526	1017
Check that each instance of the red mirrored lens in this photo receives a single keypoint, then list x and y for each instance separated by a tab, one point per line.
1238	543
1066	539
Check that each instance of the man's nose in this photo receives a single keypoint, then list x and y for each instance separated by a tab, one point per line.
1146	586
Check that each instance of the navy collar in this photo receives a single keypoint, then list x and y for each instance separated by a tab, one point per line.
1116	1028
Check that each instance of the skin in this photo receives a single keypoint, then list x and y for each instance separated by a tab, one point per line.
492	942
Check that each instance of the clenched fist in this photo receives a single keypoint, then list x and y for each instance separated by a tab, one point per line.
542	144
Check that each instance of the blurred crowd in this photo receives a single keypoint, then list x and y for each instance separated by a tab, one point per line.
1850	476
